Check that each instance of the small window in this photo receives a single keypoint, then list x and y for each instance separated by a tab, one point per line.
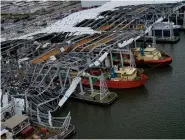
118	75
15	129
3	136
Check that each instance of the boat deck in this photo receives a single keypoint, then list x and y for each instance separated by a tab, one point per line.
50	134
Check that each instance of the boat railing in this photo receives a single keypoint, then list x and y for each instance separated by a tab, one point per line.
11	103
9	108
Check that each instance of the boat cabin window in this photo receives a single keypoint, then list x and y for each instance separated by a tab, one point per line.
24	123
148	52
118	74
16	129
124	76
3	136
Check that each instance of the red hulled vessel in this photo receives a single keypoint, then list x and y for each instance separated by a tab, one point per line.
126	77
148	57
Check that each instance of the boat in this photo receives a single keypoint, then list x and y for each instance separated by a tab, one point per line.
118	78
164	32
149	57
162	29
20	127
145	57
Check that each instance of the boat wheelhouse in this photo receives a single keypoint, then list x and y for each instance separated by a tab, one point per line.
125	74
16	123
20	127
149	53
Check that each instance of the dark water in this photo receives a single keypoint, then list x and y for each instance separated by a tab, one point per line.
156	110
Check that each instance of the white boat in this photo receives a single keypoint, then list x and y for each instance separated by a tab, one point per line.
165	29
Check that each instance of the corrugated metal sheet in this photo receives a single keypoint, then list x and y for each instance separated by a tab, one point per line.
92	3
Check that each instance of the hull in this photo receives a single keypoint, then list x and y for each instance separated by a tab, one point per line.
120	84
152	63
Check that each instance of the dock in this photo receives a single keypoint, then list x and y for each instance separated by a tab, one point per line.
95	98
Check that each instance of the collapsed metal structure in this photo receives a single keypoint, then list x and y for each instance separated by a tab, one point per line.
33	15
38	70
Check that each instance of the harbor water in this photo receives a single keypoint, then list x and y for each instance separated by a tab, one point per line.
156	110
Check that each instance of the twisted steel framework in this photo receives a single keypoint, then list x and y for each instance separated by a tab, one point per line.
37	83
